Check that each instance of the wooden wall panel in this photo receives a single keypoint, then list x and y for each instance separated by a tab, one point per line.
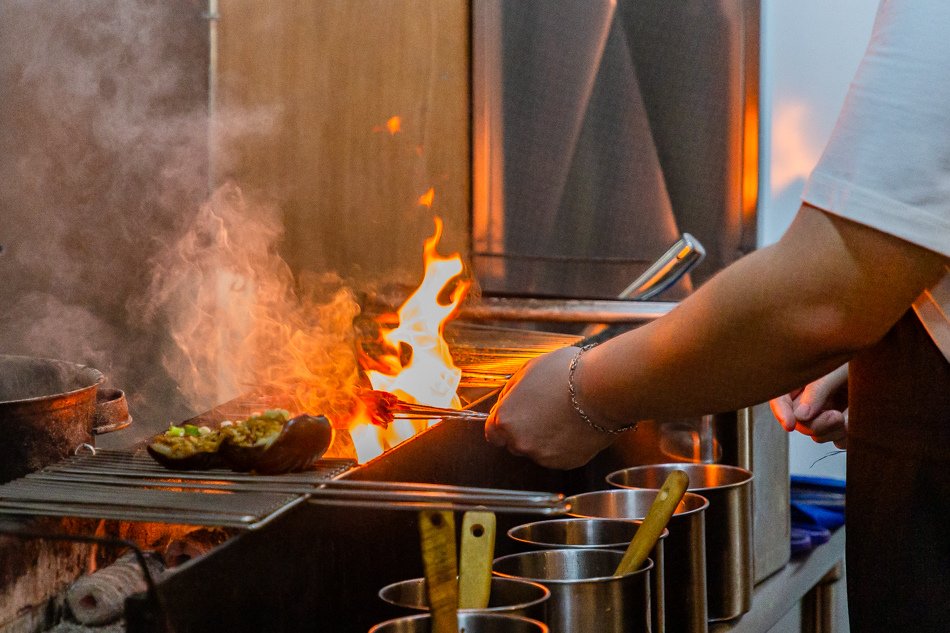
317	81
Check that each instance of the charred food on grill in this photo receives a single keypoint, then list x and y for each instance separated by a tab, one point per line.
273	442
269	443
187	447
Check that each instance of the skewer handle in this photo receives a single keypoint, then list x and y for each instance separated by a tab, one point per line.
475	559
437	533
664	505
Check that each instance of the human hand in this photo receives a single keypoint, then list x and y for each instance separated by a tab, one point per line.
534	416
818	410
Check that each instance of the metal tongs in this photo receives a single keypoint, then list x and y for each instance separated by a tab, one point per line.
412	411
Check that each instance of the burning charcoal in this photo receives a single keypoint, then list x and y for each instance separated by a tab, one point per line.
195	543
271	443
186	447
99	598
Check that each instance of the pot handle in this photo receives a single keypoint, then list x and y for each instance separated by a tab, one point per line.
112	411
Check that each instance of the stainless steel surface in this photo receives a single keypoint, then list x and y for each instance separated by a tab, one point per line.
422	496
130	486
771	519
684	550
580	164
581	533
508	596
698	69
728	489
585	595
783	591
468	622
565	311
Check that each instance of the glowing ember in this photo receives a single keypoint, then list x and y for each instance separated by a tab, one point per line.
427	198
393	126
425	375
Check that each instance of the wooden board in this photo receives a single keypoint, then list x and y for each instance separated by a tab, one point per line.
302	93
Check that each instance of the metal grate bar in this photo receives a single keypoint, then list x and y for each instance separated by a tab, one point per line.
130	486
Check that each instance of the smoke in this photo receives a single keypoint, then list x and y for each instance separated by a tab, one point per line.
239	319
111	253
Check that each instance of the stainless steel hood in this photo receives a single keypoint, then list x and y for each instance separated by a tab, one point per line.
602	131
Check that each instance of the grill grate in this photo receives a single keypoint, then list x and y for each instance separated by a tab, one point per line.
130	486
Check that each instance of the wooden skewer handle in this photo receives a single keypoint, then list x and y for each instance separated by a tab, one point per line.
437	534
663	507
475	559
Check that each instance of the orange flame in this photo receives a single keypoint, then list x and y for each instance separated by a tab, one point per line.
426	199
429	376
393	125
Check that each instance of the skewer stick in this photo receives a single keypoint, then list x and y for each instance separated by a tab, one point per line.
664	505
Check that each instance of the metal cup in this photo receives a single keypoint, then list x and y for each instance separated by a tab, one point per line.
581	533
729	567
585	595
469	622
684	564
508	596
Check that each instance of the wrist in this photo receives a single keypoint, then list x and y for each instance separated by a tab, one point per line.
601	423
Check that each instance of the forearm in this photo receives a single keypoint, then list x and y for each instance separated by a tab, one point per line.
775	320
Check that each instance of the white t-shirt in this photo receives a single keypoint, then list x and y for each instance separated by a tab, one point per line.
887	164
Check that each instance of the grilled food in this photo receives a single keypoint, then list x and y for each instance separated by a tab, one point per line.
187	447
273	442
269	443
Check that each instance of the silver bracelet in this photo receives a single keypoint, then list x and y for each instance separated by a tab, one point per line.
577	407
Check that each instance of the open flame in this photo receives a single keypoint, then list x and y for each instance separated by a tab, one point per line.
418	364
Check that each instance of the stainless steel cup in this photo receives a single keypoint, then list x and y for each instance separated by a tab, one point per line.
508	596
581	533
684	565
729	567
468	621
585	595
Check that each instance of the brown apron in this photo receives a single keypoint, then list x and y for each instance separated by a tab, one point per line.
898	485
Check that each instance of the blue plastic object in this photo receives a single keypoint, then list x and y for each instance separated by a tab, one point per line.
817	535
800	541
817	509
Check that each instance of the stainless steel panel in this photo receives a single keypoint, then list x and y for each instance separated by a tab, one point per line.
597	177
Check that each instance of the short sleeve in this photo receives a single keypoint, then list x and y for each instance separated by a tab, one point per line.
887	164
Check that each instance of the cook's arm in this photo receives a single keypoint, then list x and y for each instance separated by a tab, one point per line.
774	320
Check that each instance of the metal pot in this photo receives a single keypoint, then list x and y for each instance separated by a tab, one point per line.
47	411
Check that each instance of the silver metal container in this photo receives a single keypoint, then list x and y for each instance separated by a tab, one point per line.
585	595
468	622
729	573
581	533
684	551
508	596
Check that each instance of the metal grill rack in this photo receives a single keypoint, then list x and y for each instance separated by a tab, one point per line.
130	486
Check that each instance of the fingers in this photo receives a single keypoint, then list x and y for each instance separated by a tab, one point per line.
495	434
830	426
783	409
813	399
